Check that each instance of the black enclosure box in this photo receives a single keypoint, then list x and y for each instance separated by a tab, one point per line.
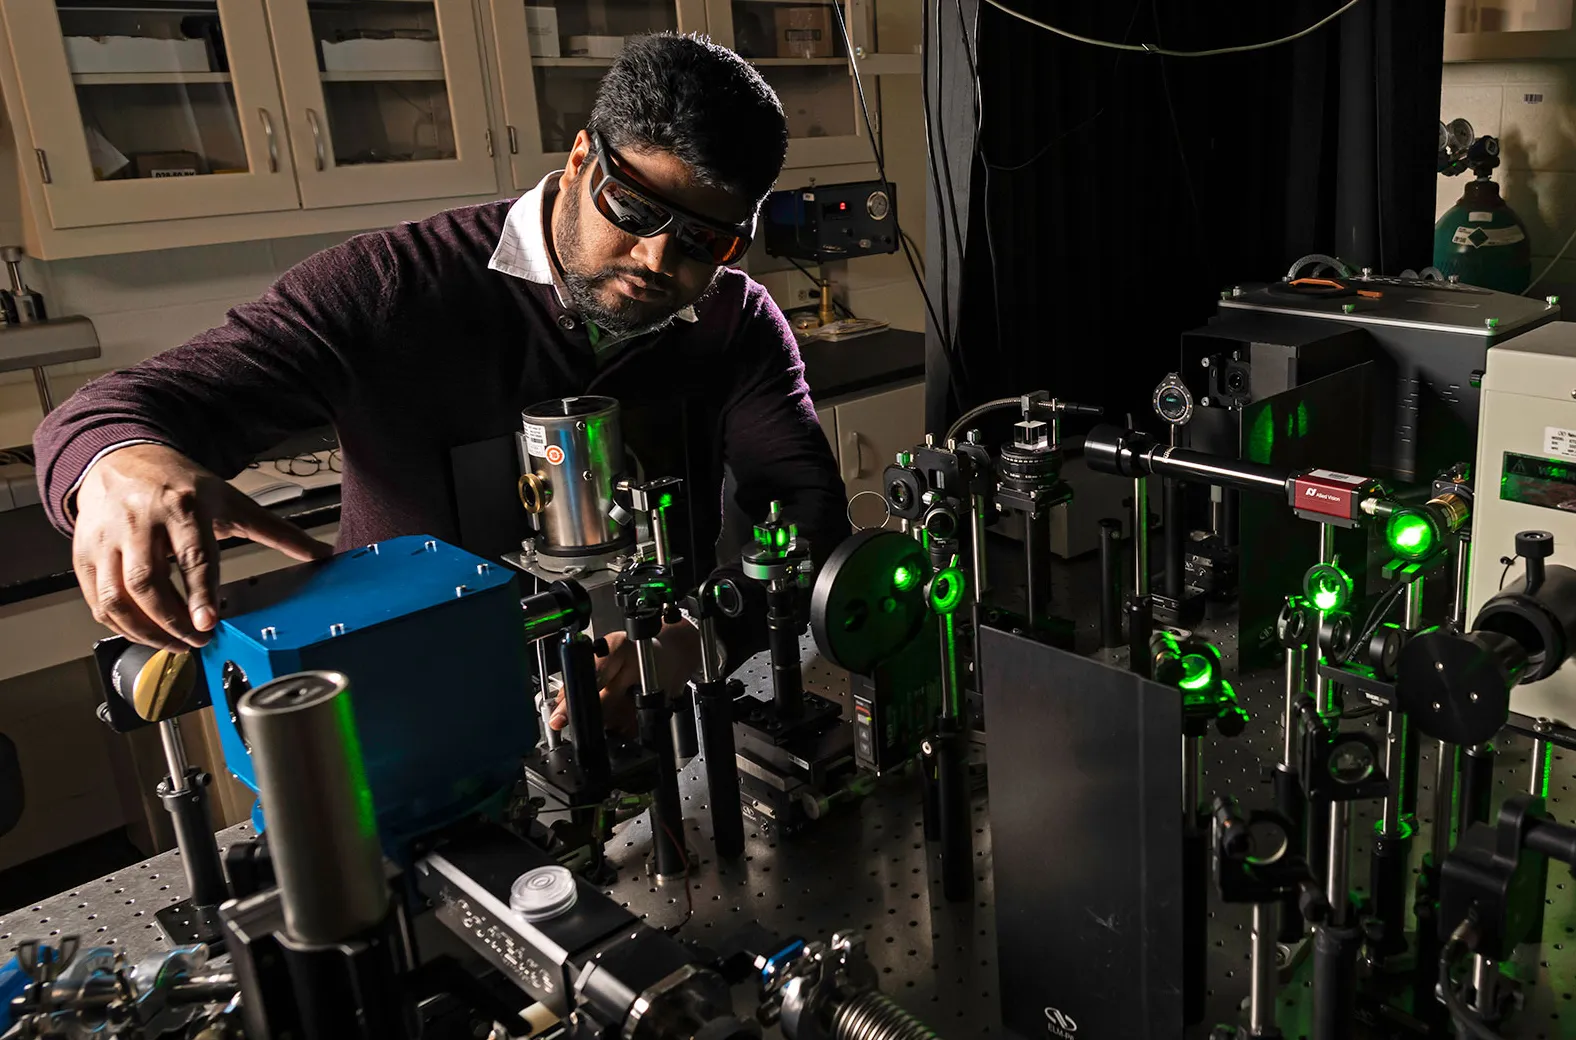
1087	844
832	221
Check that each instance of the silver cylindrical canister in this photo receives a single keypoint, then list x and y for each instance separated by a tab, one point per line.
572	453
322	831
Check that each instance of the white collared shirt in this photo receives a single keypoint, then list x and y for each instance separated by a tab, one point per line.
522	248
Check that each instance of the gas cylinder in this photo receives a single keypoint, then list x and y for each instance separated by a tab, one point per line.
1479	239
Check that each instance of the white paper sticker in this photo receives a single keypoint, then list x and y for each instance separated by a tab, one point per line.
1340	478
535	440
1479	216
1561	442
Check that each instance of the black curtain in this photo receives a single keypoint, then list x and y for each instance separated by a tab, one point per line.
1115	194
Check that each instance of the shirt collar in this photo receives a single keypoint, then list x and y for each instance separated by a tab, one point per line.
522	247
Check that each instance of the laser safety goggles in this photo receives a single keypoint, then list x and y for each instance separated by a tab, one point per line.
635	210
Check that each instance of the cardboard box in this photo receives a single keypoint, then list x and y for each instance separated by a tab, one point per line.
382	56
595	46
805	32
89	54
167	164
541	31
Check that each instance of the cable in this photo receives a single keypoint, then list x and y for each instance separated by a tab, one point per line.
909	241
971	55
974	413
951	209
1557	257
689	895
1508	561
1151	48
1387	600
933	181
878	151
810	275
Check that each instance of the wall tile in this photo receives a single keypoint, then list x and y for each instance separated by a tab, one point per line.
103	285
1537	71
1538	127
1465	73
1478	105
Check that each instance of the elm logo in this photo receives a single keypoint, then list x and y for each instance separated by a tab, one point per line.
1058	1023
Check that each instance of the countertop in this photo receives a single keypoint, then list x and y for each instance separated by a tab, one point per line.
35	559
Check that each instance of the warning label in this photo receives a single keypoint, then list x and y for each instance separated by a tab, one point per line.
1480	236
554	454
535	440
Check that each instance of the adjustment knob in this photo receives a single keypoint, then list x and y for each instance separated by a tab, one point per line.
1535	545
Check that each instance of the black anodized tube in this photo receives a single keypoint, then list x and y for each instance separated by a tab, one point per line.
1388	875
1290	803
1195	921
578	663
1110	584
1140	626
782	624
1477	785
957	842
1334	981
188	809
715	704
1110	449
667	815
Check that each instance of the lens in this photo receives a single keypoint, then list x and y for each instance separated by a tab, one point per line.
708	245
904	577
1411	535
1197	672
946	591
1351	762
630	211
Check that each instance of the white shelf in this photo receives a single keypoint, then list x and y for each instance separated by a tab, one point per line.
1533	44
572	63
779	62
370	76
88	79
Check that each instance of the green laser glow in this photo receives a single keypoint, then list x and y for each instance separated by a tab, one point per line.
782	537
1410	535
1197	672
903	578
946	591
1326	598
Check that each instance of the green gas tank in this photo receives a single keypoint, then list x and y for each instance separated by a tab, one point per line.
1480	241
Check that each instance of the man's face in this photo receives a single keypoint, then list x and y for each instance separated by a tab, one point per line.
620	281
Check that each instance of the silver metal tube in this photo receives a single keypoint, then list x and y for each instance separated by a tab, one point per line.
174	754
1337	877
1296	658
1261	992
978	540
1485	984
659	534
1190	770
1140	537
46	399
1413	605
322	830
1397	733
1444	800
1538	782
573	447
1217	512
710	657
544	710
544	704
648	671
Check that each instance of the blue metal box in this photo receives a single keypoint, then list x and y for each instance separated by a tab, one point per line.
431	639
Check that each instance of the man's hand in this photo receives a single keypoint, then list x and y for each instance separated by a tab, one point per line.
677	658
144	503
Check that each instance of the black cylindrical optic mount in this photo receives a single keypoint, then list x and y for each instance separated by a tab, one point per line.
1110	584
1128	453
655	721
562	606
784	626
583	700
714	703
188	809
952	788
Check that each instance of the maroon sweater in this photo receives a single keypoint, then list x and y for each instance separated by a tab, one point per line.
410	345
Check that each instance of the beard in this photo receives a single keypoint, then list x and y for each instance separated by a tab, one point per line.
591	292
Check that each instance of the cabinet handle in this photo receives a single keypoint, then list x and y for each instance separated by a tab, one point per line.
43	165
273	146
514	142
488	137
850	463
317	138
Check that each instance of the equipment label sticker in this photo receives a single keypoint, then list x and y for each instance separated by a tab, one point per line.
535	440
1557	441
554	454
1342	478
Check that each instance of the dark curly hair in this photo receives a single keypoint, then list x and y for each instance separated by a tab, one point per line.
687	96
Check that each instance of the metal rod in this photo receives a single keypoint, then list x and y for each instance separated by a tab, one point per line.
655	722
1321	685
1337	876
1261	994
1542	753
977	546
1217	513
1296	658
545	701
1174	537
1109	449
644	661
1190	771
1031	569
174	754
1444	801
1140	537
1485	985
1458	609
659	534
583	702
46	399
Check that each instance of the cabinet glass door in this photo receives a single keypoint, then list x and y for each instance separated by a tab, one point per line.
145	111
551	59
799	49
386	99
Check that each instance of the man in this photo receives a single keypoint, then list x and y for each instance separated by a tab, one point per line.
606	278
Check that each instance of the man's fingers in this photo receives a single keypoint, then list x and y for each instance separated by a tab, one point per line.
119	611
250	520
196	552
145	575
